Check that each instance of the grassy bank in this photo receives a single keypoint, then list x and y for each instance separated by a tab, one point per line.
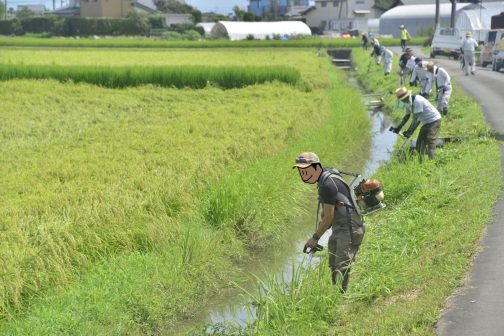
416	251
123	211
196	77
314	42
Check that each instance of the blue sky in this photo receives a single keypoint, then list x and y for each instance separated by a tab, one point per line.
219	6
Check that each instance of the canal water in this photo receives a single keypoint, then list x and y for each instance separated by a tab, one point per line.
232	306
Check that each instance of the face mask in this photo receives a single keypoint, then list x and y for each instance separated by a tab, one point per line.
401	105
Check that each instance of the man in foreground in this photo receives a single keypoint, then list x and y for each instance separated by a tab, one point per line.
338	212
424	113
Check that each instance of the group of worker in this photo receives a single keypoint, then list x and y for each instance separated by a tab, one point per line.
334	193
338	208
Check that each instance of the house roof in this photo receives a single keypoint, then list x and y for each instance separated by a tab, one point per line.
421	2
297	11
419	11
146	5
67	11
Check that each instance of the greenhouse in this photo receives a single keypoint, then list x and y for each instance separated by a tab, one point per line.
417	18
237	30
476	18
207	27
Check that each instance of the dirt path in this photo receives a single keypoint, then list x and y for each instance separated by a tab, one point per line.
478	307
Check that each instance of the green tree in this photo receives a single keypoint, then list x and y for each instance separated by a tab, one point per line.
24	12
197	16
140	22
173	6
239	13
2	10
249	17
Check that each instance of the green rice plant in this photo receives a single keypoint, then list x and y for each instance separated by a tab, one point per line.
314	42
304	61
126	189
181	76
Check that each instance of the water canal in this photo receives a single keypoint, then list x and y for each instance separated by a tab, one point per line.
232	306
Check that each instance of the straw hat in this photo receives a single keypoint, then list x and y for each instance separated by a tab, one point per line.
402	93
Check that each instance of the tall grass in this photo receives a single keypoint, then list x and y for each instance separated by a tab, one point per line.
314	42
196	77
416	251
120	177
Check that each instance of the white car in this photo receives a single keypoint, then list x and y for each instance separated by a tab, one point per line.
447	42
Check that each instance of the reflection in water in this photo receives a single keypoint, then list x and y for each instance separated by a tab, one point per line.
382	144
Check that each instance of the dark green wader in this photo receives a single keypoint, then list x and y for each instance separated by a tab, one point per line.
343	246
426	141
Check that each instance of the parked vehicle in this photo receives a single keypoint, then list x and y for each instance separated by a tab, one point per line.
498	51
447	42
488	46
497	26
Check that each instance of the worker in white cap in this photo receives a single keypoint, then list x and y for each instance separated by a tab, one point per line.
420	73
387	56
441	78
468	48
405	36
423	113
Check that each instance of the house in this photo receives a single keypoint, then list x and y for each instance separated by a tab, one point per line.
115	8
274	7
176	19
342	15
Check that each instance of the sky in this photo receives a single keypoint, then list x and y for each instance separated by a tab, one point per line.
218	6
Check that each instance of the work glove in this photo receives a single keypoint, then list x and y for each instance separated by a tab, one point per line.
314	249
311	243
425	95
394	129
413	83
406	134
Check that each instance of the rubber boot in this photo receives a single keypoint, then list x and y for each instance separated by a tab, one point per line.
335	275
344	284
445	111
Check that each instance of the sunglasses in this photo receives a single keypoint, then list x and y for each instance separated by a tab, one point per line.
302	160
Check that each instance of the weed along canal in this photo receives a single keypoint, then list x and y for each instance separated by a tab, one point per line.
286	263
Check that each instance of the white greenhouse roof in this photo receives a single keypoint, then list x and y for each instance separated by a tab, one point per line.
239	30
479	16
207	26
420	11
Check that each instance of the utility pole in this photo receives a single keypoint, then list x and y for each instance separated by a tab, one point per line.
453	10
436	20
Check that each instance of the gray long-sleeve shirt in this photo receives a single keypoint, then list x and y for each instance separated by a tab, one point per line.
440	77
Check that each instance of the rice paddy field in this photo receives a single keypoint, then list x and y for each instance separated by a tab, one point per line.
124	210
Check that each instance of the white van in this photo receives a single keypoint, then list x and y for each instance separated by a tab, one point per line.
446	41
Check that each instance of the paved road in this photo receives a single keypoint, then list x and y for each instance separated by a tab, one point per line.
477	309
